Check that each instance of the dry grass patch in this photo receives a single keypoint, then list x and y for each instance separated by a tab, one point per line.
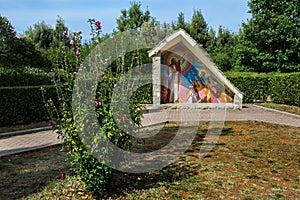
251	161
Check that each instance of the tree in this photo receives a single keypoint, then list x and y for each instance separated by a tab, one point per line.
41	34
17	51
27	55
269	41
199	28
223	51
211	44
7	41
133	18
58	33
180	23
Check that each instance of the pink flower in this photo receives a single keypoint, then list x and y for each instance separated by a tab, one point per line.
99	102
65	33
101	62
90	99
123	117
72	42
98	25
62	175
77	53
50	123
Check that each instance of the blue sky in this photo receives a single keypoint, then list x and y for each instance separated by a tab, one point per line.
24	13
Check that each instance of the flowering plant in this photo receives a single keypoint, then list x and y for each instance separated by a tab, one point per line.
96	175
96	28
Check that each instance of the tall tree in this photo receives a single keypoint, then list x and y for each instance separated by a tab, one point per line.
58	33
199	28
7	41
270	39
211	44
223	51
133	18
41	34
17	51
181	22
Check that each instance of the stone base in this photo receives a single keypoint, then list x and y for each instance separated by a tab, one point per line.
200	106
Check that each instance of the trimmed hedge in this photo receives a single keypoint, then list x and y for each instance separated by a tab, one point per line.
21	105
282	88
26	105
24	77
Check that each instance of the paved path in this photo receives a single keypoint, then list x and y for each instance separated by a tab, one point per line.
249	113
26	142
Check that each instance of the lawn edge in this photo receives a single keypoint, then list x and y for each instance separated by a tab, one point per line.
279	111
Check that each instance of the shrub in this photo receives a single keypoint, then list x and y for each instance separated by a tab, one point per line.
95	172
282	88
26	76
256	87
285	88
24	104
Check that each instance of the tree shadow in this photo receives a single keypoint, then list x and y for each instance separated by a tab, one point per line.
127	182
27	173
23	174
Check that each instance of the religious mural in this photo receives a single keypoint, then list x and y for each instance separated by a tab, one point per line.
186	80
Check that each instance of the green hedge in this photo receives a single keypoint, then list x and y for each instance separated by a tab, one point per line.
21	105
282	88
25	104
144	94
23	77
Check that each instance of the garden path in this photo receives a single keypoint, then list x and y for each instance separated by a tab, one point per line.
17	143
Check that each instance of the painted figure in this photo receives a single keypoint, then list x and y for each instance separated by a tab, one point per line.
185	80
173	80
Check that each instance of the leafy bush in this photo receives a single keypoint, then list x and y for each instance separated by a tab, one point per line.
26	76
285	88
24	104
282	88
143	94
95	172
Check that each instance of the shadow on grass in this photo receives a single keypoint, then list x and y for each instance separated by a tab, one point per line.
27	173
127	182
24	174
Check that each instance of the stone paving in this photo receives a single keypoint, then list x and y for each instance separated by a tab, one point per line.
248	113
26	142
32	141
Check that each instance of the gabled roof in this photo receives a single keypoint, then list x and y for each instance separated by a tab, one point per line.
180	36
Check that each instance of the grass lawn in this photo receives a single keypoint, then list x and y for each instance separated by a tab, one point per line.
251	161
282	107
